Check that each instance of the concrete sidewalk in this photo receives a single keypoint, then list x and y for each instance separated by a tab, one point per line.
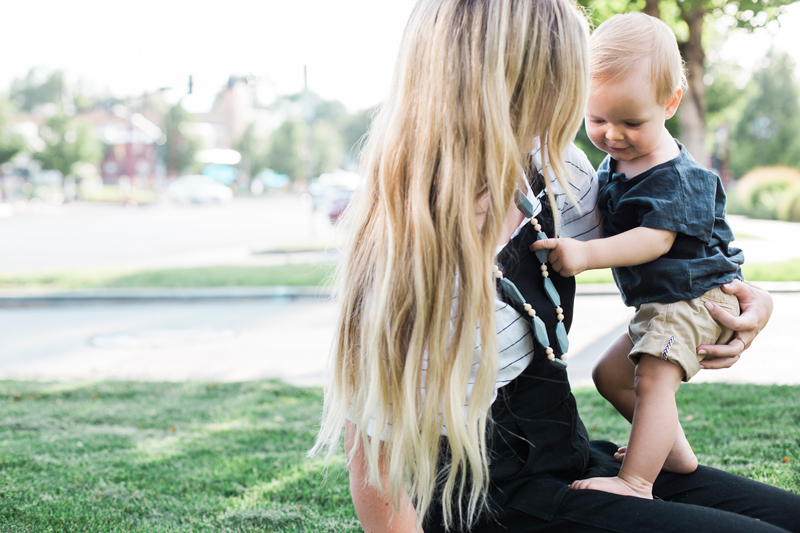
288	337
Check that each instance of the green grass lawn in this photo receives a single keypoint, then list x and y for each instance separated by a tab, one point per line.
784	271
169	457
305	274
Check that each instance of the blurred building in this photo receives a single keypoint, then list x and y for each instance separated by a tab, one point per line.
130	143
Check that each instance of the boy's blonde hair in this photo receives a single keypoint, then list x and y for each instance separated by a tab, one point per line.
633	40
476	82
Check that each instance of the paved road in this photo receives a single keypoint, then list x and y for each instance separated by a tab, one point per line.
80	235
288	339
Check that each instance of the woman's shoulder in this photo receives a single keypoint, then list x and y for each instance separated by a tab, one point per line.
580	218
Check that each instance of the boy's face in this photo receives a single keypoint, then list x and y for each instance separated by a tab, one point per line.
623	118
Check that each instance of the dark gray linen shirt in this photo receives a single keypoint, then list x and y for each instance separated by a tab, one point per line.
682	196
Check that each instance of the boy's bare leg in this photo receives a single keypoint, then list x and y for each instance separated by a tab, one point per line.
655	425
613	375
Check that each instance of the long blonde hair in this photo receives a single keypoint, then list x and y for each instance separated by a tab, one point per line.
476	81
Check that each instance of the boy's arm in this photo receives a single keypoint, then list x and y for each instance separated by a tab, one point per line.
633	247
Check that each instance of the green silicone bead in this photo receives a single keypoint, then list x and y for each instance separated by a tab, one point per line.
561	337
541	255
511	291
523	204
558	363
552	293
540	331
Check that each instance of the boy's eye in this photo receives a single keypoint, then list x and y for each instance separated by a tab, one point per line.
597	121
633	124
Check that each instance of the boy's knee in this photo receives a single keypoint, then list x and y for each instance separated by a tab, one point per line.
653	374
600	375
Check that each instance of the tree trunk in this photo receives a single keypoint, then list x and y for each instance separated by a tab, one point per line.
692	111
651	8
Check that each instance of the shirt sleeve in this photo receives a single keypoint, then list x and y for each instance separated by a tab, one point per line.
580	219
683	203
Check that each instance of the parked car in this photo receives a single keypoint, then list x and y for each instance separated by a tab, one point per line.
337	205
331	189
198	189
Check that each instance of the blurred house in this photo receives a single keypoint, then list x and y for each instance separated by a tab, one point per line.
131	146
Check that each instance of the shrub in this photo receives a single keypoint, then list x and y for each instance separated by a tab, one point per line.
765	193
789	208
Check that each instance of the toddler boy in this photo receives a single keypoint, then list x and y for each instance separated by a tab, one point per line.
666	239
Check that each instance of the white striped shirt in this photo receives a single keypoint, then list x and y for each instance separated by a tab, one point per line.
581	220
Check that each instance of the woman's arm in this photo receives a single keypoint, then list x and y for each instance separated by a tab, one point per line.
756	305
373	507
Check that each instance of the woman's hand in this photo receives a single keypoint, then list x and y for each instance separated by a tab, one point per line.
756	306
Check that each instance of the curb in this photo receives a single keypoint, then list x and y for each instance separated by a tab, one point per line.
13	298
9	298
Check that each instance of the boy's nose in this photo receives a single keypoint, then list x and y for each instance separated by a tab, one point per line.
614	134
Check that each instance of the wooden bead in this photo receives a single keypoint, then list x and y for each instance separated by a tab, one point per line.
495	268
548	351
537	227
534	221
551	357
527	307
559	310
560	317
498	275
545	274
531	312
564	357
543	268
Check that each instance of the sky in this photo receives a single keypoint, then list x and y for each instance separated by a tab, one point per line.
349	46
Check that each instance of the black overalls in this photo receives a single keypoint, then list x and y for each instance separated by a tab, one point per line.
539	446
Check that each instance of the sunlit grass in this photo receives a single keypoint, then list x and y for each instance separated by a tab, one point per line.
305	274
784	271
184	457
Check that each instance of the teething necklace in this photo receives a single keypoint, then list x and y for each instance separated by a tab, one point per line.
511	291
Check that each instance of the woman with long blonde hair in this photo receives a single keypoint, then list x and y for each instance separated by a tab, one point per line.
487	94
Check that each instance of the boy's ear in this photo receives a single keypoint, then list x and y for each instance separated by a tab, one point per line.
672	103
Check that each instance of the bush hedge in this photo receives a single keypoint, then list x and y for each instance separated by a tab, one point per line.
768	193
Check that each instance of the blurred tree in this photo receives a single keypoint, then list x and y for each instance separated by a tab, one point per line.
328	150
67	141
768	132
180	147
253	150
687	19
10	143
334	135
355	132
35	90
285	154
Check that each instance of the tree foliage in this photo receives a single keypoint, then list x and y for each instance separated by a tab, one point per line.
181	147
285	149
688	19
67	141
10	143
335	132
768	131
36	89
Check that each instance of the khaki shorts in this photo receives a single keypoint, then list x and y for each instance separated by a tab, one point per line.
673	331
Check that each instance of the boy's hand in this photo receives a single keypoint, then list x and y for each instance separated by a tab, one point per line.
568	257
